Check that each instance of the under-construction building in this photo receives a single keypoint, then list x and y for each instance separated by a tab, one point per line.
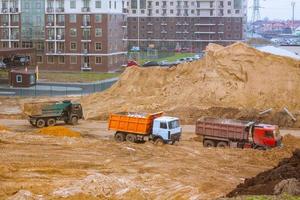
185	24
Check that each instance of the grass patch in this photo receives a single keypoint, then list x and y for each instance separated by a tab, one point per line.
75	76
80	77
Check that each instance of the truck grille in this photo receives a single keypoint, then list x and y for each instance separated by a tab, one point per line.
175	136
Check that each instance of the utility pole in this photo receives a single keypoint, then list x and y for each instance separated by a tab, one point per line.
293	17
256	11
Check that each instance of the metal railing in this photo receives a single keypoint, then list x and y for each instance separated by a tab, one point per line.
59	89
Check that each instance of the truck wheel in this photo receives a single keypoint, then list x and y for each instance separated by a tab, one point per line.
130	137
51	122
159	142
32	124
40	123
120	137
74	120
222	144
208	143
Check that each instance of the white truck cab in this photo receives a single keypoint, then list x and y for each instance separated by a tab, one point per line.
166	129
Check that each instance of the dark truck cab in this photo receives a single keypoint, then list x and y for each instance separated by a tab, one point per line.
236	133
47	114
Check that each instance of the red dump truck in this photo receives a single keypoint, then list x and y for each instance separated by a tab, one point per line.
236	133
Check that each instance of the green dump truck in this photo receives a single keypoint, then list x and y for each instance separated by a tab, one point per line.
48	113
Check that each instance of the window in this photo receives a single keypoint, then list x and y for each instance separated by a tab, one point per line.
269	134
98	32
61	59
39	59
73	18
73	4
98	60
73	46
163	125
73	59
19	78
73	32
15	18
98	46
32	79
98	4
98	18
174	124
50	59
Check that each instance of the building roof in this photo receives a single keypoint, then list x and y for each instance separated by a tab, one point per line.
14	51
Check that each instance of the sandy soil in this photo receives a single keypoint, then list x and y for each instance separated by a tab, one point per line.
95	166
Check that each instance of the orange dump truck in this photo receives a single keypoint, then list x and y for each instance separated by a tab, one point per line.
135	127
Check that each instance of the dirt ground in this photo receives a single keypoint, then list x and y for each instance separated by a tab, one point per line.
94	166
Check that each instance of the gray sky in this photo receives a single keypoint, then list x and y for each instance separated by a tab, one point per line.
276	9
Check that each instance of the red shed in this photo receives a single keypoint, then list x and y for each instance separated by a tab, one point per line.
21	78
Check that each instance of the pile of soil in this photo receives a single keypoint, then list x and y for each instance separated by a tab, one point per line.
266	183
36	107
59	131
236	81
3	128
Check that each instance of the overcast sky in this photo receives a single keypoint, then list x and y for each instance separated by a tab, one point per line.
276	9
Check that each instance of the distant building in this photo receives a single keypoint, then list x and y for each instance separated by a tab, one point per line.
69	35
188	24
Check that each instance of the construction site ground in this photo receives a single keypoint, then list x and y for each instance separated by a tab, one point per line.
95	166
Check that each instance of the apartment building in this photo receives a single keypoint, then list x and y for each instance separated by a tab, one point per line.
189	24
10	24
69	35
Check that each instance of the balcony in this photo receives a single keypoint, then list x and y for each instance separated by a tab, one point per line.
86	38
60	37
86	23
4	10
85	9
60	23
50	10
14	10
50	24
85	51
60	10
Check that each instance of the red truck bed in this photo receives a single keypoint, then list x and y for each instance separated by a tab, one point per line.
223	128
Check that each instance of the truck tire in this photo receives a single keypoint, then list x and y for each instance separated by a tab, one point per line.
51	122
159	142
222	144
120	137
32	124
74	120
40	123
208	143
131	138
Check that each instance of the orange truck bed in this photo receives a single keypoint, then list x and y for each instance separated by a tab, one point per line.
138	123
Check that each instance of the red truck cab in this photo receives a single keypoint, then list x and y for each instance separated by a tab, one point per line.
265	135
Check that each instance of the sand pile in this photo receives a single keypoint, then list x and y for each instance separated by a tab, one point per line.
3	128
59	131
36	107
237	81
283	178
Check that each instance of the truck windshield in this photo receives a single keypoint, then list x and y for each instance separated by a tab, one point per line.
173	124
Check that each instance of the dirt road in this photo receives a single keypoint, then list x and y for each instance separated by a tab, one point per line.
94	166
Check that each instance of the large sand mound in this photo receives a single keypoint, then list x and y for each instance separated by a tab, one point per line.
236	81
